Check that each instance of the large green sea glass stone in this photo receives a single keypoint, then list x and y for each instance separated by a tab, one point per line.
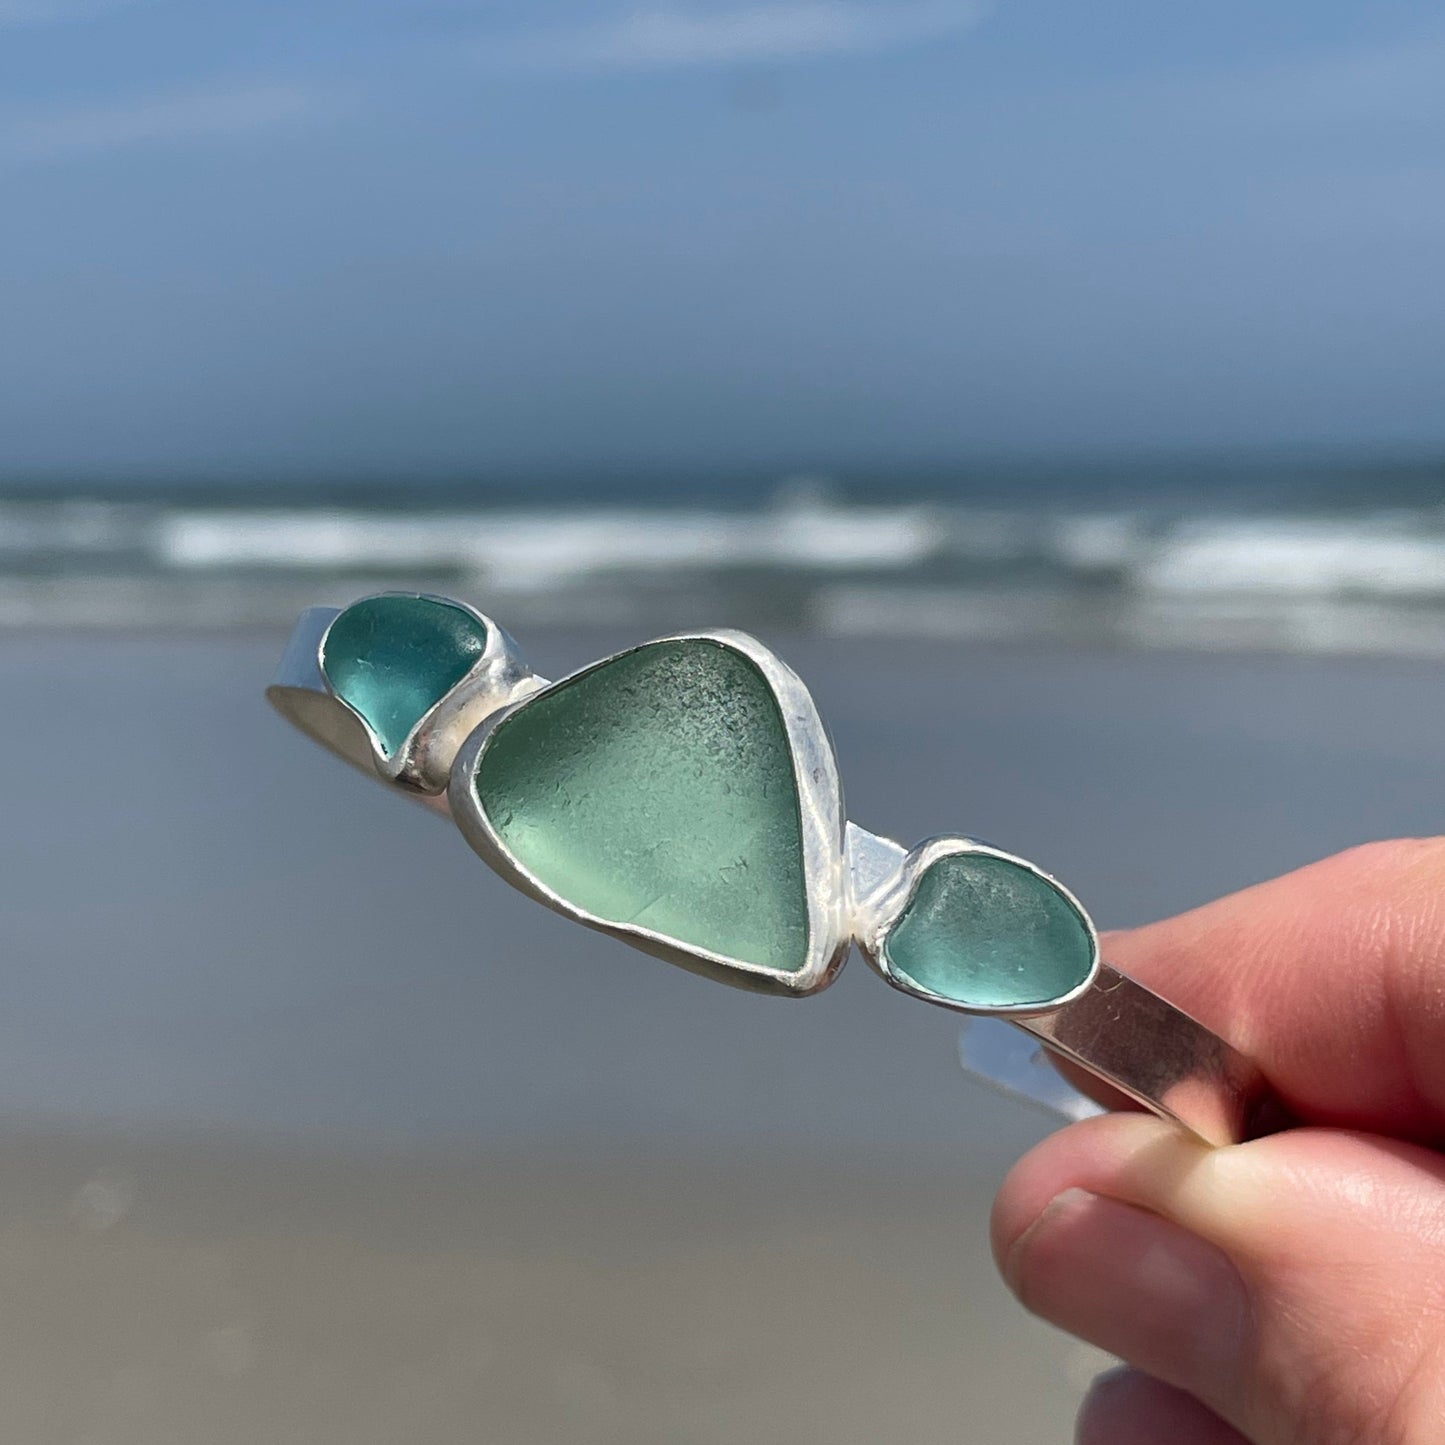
394	658
657	790
985	932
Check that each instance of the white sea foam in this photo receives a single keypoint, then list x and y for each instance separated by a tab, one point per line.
1392	557
1126	577
522	549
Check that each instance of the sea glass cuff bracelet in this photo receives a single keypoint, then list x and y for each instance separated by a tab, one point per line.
682	796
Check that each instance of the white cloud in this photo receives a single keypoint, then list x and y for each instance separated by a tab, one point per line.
211	111
668	37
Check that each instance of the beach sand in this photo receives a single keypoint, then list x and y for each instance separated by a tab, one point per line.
214	1291
314	1132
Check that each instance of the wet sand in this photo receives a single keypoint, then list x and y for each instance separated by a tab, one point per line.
314	1132
210	1291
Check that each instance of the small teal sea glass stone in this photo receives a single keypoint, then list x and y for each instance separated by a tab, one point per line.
988	933
394	658
657	790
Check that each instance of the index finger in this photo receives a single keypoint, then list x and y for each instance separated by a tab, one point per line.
1332	978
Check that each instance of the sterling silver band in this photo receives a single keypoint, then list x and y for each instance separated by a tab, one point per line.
1125	1035
1111	1026
1161	1057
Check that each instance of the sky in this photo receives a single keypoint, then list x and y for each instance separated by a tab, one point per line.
433	237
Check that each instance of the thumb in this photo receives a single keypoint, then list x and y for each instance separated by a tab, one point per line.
1294	1285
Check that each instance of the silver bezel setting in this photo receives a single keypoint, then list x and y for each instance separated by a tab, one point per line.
820	809
858	883
498	678
877	913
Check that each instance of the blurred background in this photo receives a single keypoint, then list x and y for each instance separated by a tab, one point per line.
1058	387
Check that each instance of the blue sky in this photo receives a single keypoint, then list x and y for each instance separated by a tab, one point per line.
436	237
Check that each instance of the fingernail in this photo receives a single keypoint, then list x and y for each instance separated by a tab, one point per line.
1135	1284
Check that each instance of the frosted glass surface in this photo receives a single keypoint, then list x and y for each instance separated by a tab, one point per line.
658	790
394	658
983	931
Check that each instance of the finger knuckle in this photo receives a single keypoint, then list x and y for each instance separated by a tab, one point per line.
1350	1400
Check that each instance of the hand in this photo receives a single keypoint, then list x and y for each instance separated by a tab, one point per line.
1288	1291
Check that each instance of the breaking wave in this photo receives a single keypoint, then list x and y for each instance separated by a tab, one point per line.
1192	578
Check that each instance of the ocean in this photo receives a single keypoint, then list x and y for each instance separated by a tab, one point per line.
1321	555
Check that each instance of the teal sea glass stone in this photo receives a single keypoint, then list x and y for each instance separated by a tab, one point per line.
657	790
394	658
988	933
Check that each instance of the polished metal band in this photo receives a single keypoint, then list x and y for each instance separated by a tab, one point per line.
1112	1027
1161	1057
